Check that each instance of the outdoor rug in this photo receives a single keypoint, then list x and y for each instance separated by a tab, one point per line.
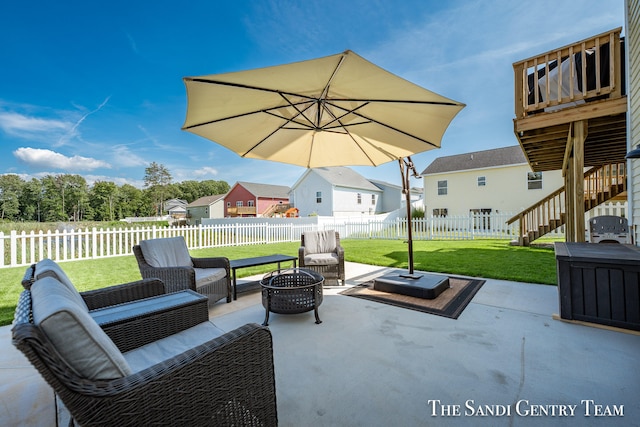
450	303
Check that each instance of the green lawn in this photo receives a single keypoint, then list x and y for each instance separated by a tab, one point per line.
494	259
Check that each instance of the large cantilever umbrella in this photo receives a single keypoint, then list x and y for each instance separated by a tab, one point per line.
338	110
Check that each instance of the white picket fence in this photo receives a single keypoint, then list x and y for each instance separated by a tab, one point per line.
21	249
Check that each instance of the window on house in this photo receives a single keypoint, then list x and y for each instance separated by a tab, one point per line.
440	212
442	188
318	196
359	198
534	180
250	203
239	203
373	199
482	181
228	204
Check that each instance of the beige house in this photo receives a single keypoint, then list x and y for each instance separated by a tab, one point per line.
205	207
490	181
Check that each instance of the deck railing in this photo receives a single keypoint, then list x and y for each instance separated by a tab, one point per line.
570	75
600	185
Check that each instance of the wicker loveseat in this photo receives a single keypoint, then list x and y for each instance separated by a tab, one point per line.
168	259
197	375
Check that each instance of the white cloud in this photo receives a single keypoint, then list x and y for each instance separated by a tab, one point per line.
22	126
41	158
204	172
124	157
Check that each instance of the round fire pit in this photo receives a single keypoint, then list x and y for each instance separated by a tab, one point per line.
291	291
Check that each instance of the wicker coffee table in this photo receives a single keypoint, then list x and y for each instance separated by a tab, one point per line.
291	291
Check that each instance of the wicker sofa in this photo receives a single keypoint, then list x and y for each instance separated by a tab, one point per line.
199	375
168	259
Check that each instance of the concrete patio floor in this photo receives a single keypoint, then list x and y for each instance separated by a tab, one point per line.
504	362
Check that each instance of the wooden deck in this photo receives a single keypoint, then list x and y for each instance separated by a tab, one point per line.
570	108
551	99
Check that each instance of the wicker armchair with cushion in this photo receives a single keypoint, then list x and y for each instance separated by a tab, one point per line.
196	376
321	251
168	259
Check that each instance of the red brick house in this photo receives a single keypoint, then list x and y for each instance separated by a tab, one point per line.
249	199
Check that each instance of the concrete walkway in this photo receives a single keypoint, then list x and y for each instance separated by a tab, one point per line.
504	362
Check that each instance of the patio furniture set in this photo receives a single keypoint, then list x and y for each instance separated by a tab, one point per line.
146	352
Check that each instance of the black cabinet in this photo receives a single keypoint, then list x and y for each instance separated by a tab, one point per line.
599	283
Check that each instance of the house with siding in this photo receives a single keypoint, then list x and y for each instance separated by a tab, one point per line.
393	198
335	191
490	181
205	207
249	199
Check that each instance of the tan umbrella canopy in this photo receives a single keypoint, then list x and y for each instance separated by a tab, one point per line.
338	110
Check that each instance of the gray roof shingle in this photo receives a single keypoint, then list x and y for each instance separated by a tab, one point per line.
266	190
345	177
477	160
205	201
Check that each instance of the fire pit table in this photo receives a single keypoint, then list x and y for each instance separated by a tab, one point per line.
291	291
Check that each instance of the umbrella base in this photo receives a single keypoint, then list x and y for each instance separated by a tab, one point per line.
426	286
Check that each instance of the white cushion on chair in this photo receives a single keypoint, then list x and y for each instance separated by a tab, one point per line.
80	341
166	252
317	242
48	267
321	259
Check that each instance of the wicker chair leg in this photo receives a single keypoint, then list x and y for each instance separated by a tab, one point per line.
318	321
266	317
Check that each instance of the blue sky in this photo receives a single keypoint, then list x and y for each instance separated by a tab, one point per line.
95	88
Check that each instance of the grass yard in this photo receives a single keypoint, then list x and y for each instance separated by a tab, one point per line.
494	259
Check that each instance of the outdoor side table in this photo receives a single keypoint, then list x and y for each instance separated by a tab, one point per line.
291	291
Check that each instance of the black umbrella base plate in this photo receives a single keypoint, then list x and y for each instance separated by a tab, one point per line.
426	286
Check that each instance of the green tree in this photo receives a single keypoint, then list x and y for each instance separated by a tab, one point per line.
156	180
211	187
11	186
131	202
102	199
31	199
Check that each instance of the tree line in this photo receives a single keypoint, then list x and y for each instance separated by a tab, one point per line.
68	197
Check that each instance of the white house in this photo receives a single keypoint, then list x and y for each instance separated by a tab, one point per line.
335	191
393	198
497	180
205	207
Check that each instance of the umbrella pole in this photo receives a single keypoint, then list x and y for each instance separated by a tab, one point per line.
405	167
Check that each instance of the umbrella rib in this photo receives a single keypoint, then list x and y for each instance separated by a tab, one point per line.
370	120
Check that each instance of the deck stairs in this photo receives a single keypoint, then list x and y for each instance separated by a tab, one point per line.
277	209
600	185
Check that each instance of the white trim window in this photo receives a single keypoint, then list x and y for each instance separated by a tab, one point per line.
482	181
534	180
442	188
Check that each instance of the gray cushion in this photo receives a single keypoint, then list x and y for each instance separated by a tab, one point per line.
77	337
166	252
205	276
317	242
321	259
166	348
48	267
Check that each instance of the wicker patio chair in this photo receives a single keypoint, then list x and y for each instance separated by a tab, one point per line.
225	380
321	251
168	259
